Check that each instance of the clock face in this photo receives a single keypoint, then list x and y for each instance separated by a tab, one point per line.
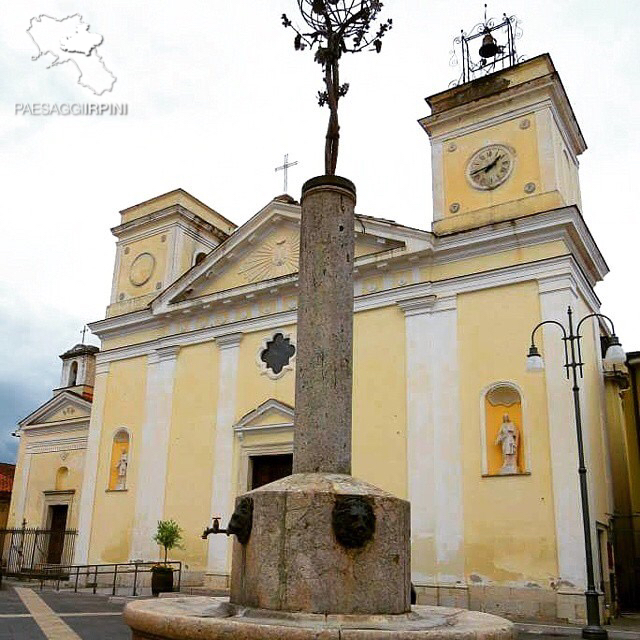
490	166
141	269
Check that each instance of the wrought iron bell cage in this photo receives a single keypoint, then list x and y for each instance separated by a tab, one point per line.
496	48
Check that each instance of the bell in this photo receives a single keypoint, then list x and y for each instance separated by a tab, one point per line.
489	47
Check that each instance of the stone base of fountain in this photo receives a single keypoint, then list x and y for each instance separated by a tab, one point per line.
324	543
205	618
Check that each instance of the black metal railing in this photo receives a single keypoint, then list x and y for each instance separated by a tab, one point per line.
92	576
28	552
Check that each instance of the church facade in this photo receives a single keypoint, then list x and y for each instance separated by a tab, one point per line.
192	398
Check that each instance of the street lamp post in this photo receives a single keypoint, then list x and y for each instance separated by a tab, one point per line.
574	365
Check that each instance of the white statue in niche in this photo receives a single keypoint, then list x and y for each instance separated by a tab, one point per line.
508	438
121	467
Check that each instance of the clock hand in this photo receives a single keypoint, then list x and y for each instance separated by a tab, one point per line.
493	164
485	169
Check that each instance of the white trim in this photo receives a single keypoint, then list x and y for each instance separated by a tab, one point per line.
562	268
524	430
151	473
254	451
51	428
24	485
53	405
562	441
222	490
55	498
290	366
564	224
89	476
66	444
434	440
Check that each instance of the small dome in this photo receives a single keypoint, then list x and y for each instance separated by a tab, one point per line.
80	350
286	198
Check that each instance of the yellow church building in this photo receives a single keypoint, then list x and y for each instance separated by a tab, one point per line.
189	401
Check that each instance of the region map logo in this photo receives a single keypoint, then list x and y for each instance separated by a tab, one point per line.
70	40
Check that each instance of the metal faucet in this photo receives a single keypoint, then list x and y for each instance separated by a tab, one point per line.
215	528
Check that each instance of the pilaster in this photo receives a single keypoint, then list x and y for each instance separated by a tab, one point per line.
222	490
87	495
153	451
434	449
556	294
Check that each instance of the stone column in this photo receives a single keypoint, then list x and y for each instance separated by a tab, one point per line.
222	490
88	493
324	359
153	452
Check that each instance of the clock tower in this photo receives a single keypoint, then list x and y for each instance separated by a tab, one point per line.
158	241
503	146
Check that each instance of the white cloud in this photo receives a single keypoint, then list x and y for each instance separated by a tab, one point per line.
217	95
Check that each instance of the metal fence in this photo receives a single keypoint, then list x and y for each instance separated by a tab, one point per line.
94	576
34	552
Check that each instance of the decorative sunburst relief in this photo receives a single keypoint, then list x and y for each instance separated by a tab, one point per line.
276	257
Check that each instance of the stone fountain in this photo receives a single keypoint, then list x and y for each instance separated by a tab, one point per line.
318	554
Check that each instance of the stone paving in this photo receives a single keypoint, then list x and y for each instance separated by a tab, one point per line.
64	615
31	614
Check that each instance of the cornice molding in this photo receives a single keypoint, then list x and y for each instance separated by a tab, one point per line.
55	404
164	354
417	306
50	446
229	340
444	290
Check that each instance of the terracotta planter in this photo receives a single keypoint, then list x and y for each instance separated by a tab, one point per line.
161	580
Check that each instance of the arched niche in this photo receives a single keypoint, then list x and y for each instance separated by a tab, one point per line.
62	479
503	434
120	460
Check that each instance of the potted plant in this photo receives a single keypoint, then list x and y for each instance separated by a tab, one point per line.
169	536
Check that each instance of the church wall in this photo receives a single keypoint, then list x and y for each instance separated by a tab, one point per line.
156	245
498	260
113	511
137	337
43	469
504	544
526	167
255	387
191	452
379	399
20	487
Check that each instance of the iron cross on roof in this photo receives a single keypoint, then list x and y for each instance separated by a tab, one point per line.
285	168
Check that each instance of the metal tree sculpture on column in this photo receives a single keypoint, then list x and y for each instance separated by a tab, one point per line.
337	27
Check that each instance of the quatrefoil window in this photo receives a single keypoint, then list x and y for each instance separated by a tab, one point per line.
277	353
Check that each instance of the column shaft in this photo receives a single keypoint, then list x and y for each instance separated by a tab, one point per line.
324	358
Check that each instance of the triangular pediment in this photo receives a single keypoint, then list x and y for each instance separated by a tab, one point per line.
264	249
65	406
269	413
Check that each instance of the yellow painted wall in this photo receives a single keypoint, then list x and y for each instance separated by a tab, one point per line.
255	387
494	328
526	165
158	246
379	399
594	428
16	493
43	472
498	260
113	511
191	449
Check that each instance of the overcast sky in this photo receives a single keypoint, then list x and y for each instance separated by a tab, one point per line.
216	96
